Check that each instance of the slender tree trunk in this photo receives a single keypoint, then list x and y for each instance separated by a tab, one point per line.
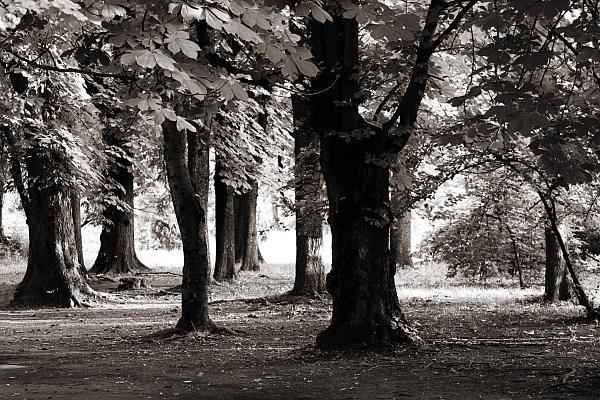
400	232
308	186
241	225
191	216
554	267
53	276
366	311
517	256
250	258
117	241
198	165
76	213
550	207
224	228
3	238
400	240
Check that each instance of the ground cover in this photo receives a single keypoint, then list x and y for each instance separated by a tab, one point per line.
491	343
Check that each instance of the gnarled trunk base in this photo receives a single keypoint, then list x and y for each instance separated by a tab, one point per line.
54	276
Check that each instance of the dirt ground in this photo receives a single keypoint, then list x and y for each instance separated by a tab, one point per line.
520	350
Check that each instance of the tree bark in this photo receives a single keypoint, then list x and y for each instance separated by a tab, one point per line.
199	167
400	240
54	276
366	311
557	286
224	228
191	216
76	213
117	241
308	186
249	237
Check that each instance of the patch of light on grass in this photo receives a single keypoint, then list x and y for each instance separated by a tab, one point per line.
466	294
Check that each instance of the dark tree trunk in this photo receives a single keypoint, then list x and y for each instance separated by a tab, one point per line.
241	225
366	311
308	185
117	242
198	165
53	275
250	255
191	216
557	286
224	228
76	213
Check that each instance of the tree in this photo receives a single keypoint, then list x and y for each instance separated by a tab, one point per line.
400	233
224	227
117	245
366	310
556	284
309	204
245	214
191	214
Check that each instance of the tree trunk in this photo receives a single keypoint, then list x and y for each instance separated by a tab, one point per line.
400	240
366	311
3	238
241	225
250	257
53	275
76	213
198	165
557	285
117	242
308	185
224	228
191	216
400	232
550	207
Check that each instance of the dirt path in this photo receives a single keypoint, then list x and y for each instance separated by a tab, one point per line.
489	352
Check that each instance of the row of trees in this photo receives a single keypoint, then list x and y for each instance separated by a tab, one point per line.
368	79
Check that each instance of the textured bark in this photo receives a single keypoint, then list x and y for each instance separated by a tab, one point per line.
241	225
191	216
224	228
53	276
308	186
400	232
76	214
400	240
250	255
117	242
198	165
556	285
2	235
366	311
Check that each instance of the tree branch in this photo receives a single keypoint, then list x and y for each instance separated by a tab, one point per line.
45	67
408	109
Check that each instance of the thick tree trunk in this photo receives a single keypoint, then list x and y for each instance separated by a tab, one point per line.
308	185
191	216
53	276
556	285
250	257
117	242
224	228
366	311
